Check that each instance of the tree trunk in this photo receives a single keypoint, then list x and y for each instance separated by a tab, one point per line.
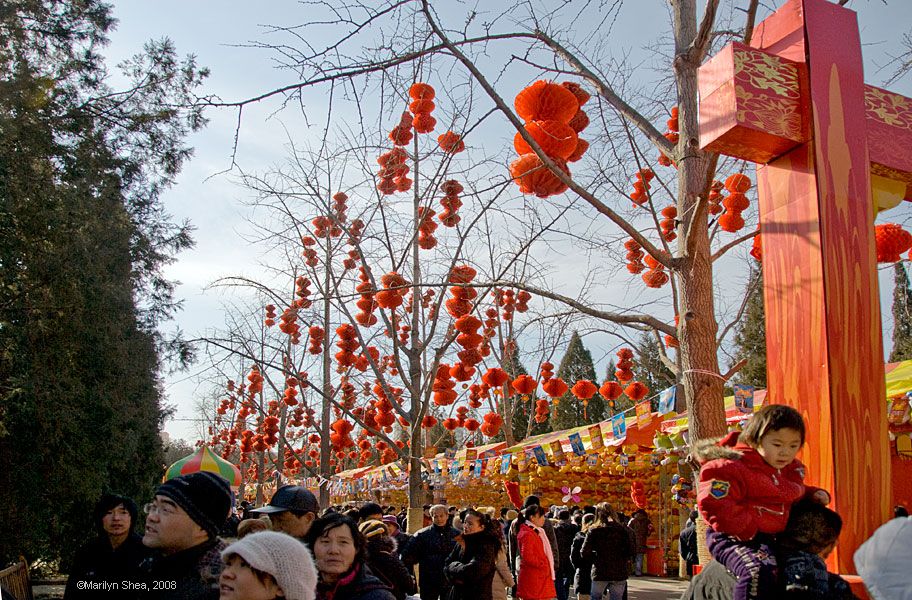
325	448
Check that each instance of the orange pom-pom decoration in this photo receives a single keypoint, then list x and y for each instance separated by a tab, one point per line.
424	123
451	142
544	100
579	121
495	377
655	278
525	385
556	139
555	387
582	96
636	391
421	91
757	249
534	178
739	183
611	390
891	240
584	389
731	222
578	152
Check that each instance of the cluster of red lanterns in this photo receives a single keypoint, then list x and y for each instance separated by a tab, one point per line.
890	241
672	341
444	387
469	339
393	173
735	203
450	202
395	287
426	228
451	143
492	422
640	193
269	320
671	135
634	256
553	117
347	344
715	198
655	276
422	105
316	337
366	303
309	252
668	224
290	395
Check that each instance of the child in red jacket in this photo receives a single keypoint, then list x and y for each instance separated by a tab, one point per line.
748	483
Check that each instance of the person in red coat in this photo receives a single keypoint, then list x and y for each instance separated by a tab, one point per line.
748	483
535	580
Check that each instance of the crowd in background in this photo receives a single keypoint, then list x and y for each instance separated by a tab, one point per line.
189	549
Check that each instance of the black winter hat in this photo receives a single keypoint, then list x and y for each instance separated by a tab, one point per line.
204	496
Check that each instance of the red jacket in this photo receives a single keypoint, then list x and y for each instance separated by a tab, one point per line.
740	494
534	581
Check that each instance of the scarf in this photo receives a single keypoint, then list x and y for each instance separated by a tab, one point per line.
547	545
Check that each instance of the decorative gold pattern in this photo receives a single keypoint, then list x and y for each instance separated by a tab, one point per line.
768	93
774	115
889	108
764	71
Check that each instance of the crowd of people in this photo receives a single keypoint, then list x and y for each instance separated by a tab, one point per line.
768	532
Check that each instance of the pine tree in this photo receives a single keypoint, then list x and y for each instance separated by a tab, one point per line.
649	369
750	339
575	365
902	315
523	410
83	240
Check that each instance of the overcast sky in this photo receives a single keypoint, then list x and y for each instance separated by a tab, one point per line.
215	31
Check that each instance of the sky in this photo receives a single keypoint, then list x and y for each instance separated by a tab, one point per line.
219	33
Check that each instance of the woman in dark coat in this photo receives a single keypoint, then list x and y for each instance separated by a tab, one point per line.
471	565
609	546
116	552
340	554
582	578
384	560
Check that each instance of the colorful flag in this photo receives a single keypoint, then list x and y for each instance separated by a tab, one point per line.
576	442
644	413
540	456
505	463
595	437
478	465
557	451
667	400
619	426
744	398
471	454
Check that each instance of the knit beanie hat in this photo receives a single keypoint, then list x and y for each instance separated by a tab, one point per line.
282	556
372	528
204	496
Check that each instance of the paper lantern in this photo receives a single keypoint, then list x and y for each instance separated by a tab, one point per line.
544	100
533	177
891	240
557	140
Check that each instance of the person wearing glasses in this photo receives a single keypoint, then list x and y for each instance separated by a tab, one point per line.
182	525
114	554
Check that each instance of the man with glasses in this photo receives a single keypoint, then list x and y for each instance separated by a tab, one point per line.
182	524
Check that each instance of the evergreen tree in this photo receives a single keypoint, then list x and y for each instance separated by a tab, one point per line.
750	338
523	410
575	365
83	240
902	315
649	368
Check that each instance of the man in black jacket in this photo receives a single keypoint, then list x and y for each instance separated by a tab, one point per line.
429	549
564	532
181	527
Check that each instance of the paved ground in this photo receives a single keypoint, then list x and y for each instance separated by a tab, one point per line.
655	588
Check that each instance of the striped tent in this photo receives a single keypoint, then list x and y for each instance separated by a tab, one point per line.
205	459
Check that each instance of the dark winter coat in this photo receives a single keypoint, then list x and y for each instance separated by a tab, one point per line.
687	543
384	562
609	548
715	582
642	528
582	578
358	584
196	571
402	540
740	494
564	532
471	570
97	561
429	549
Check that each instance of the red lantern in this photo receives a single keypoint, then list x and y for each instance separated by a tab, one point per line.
525	385
891	240
544	100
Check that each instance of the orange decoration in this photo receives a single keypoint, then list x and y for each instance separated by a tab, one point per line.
636	391
495	377
731	222
581	147
556	139
424	123
891	240
611	390
582	96
739	182
555	387
451	142
420	91
534	178
544	100
584	389
757	248
525	385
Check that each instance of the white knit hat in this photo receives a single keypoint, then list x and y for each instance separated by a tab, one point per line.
285	558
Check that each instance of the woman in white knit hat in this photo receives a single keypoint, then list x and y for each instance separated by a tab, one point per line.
265	566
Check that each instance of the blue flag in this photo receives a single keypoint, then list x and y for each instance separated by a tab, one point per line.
576	442
667	400
744	398
619	426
